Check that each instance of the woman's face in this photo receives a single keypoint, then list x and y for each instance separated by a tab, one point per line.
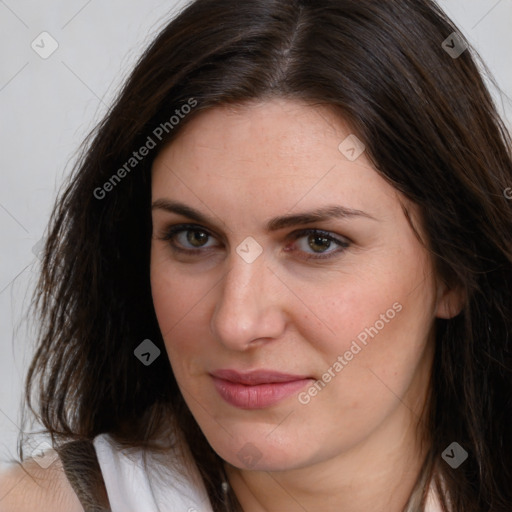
295	301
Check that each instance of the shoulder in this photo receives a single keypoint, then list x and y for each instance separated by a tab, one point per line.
27	487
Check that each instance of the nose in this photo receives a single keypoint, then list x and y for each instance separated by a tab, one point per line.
249	309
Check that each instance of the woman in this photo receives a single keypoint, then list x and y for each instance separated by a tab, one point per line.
279	278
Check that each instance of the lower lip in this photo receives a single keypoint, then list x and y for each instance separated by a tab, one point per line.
258	396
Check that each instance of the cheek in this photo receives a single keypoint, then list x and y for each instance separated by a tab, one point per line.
165	292
172	291
179	301
379	323
361	308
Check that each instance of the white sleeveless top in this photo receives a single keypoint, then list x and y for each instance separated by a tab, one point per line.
130	489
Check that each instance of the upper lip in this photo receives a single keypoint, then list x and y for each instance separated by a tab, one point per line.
255	377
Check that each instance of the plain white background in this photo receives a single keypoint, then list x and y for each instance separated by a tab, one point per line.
47	106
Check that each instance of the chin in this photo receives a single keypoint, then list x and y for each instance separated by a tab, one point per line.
258	455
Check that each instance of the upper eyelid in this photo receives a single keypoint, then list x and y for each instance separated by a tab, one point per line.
177	228
297	233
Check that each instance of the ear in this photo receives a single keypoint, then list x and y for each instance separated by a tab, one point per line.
450	301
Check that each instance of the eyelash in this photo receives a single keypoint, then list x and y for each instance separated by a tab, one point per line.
171	233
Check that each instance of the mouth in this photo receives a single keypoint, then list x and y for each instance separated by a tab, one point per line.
257	389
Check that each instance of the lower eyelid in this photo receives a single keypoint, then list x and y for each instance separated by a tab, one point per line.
340	247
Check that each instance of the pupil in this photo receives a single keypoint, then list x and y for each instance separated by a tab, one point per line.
319	242
197	238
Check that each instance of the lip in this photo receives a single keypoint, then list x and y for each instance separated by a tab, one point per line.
256	389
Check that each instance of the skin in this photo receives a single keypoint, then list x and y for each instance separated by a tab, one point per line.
30	487
355	445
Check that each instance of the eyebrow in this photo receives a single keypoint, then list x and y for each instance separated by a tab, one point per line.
275	224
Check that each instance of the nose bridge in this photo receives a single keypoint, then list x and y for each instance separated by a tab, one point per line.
247	308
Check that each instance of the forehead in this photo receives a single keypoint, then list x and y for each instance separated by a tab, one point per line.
281	129
277	152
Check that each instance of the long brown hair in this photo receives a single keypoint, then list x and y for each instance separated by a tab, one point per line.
429	126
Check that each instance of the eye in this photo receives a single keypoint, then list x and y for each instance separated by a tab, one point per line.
319	244
193	240
188	238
